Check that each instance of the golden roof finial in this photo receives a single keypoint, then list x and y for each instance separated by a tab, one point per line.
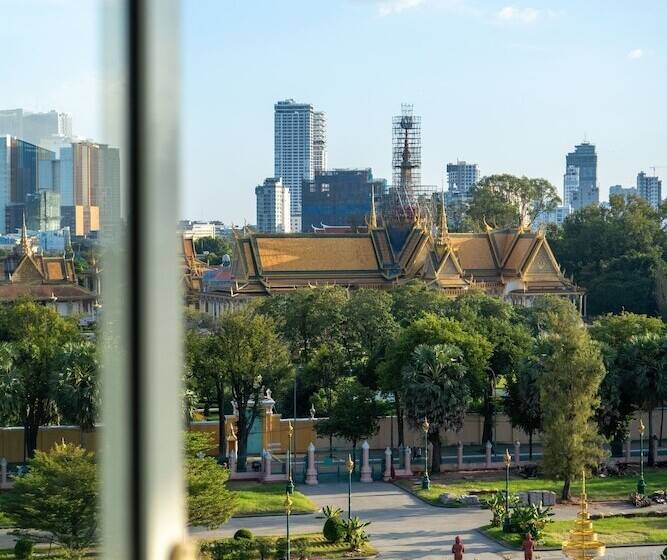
486	225
443	230
26	248
372	221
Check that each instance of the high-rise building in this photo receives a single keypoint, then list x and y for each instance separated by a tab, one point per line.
273	206
620	190
585	160
299	149
571	186
556	216
90	177
462	176
43	211
24	169
34	127
649	188
339	197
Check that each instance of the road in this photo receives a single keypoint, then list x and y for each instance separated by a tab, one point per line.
405	528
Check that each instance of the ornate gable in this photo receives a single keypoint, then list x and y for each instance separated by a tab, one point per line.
27	272
541	262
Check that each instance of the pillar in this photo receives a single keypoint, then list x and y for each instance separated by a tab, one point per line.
489	446
628	449
366	473
459	456
266	466
232	461
3	471
517	453
311	472
407	457
387	465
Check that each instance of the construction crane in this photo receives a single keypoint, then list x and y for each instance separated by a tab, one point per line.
654	167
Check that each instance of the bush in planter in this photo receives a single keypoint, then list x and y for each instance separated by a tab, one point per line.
23	549
243	534
496	504
354	532
333	529
530	519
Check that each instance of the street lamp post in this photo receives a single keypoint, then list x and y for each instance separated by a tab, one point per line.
350	467
288	510
426	481
290	482
641	484
508	462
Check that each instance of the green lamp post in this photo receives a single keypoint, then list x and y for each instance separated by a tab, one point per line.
507	459
288	511
426	481
350	467
641	484
290	481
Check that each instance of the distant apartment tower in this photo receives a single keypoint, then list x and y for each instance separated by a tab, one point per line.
43	211
339	197
649	188
585	160
273	206
25	169
462	176
35	127
620	190
571	185
556	216
299	149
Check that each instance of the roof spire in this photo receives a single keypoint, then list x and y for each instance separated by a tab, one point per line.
443	231
26	248
372	219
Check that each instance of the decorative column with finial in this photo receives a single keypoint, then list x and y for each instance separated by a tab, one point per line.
426	481
350	467
507	459
641	484
288	511
290	482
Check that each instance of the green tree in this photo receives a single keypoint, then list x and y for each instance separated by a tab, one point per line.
523	399
58	494
255	358
432	330
509	201
354	415
572	370
413	299
216	247
78	387
500	324
618	397
210	503
34	340
206	371
434	387
617	253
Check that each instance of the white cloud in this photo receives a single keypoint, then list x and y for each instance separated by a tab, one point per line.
389	7
512	14
635	54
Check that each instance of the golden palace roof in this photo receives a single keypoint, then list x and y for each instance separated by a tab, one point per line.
510	262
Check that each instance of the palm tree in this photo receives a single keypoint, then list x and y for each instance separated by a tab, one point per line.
434	387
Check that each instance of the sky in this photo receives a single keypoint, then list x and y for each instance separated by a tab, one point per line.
510	85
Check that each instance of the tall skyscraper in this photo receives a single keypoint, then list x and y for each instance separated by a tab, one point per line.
299	149
340	197
585	160
35	127
571	186
43	211
462	176
650	189
24	169
273	206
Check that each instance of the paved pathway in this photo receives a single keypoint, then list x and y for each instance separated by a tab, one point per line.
405	528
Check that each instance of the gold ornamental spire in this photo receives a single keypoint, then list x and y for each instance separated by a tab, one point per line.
372	219
583	542
26	248
443	231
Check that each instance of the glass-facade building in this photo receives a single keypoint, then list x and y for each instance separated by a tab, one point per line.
339	197
585	160
650	189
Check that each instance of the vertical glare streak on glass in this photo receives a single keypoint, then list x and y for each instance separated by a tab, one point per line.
143	503
117	499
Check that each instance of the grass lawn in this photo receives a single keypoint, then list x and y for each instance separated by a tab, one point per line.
611	531
255	497
598	489
314	543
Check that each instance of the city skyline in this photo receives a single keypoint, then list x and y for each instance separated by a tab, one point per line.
493	84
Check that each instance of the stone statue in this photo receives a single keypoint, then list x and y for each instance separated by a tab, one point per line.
458	549
528	547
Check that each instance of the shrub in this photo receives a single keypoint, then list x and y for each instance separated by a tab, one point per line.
300	549
23	549
239	549
354	532
496	504
530	519
243	534
333	529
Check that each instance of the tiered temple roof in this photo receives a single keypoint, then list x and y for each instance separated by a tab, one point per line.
513	262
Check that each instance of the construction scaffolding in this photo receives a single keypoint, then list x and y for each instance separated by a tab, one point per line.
406	197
